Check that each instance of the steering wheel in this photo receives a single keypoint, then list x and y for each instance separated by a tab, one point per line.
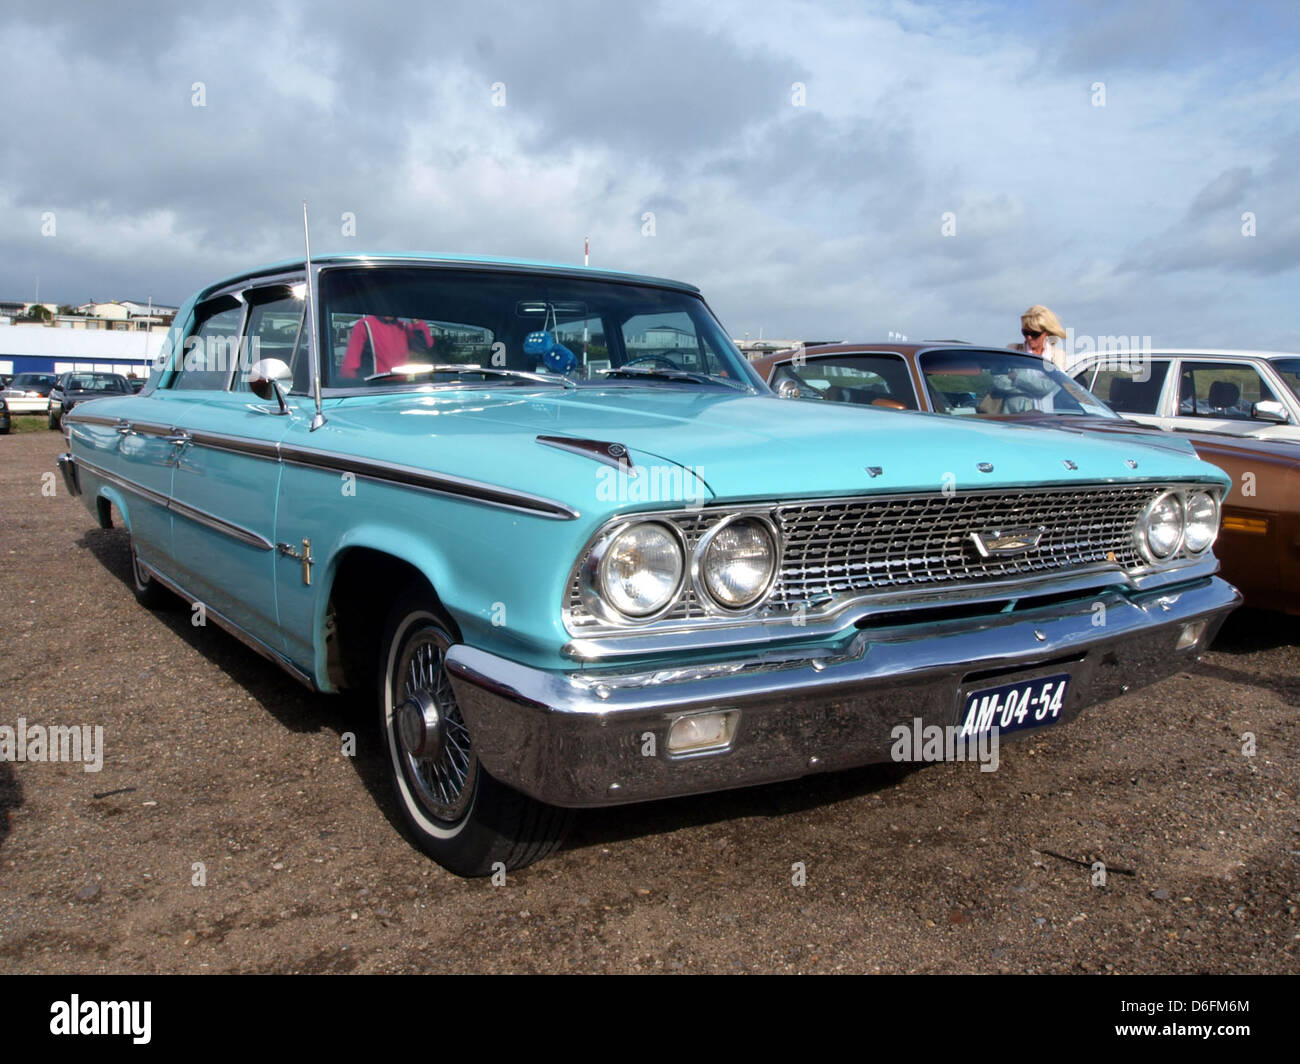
662	360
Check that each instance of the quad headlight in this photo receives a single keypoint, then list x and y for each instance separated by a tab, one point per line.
736	562
1160	529
1201	512
1178	524
638	570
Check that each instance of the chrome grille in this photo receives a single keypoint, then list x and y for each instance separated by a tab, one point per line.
868	544
838	549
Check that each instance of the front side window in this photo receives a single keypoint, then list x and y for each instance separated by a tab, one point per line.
394	326
990	384
274	319
211	351
1220	390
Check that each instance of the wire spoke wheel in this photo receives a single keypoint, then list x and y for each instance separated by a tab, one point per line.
457	811
429	730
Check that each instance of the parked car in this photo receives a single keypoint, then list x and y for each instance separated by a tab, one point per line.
583	556
1260	543
29	393
1245	393
74	388
4	417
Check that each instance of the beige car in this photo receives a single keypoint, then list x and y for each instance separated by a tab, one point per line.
1242	393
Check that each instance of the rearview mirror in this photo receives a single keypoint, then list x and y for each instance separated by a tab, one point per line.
265	378
1269	410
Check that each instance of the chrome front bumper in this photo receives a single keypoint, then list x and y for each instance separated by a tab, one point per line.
578	738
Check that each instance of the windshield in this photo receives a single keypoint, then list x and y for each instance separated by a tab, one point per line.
96	382
394	326
989	384
1289	370
34	380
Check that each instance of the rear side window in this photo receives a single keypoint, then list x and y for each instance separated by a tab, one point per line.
1128	391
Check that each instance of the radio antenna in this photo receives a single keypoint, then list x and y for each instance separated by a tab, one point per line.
319	419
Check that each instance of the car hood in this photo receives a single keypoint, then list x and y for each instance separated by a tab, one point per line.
740	446
1121	427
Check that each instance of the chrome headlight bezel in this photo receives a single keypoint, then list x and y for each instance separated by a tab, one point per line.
699	577
593	584
1142	530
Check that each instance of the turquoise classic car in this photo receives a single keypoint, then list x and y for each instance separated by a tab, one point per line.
583	556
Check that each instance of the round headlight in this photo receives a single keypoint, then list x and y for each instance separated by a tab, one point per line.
1162	526
738	562
641	569
1202	521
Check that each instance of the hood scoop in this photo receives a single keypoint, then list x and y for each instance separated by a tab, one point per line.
612	454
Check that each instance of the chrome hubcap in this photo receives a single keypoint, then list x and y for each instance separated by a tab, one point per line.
431	734
420	725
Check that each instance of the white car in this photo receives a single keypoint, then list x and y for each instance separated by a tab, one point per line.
29	393
1243	393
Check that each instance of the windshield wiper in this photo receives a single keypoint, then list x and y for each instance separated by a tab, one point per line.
685	375
428	368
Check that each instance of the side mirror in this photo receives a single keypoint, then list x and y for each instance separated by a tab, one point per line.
787	389
266	377
1269	410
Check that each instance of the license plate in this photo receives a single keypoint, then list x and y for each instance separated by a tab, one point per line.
1014	706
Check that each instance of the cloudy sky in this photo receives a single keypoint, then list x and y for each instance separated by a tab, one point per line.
819	169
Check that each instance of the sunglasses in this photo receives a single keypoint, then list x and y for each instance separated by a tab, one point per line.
1029	334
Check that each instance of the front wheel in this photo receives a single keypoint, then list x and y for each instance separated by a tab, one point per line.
459	815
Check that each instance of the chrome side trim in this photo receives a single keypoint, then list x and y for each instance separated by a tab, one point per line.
440	483
371	469
218	524
231	628
193	513
148	494
219	441
93	419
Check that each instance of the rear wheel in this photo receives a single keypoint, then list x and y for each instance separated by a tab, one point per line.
148	591
458	814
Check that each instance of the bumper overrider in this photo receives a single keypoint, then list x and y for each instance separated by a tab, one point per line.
596	737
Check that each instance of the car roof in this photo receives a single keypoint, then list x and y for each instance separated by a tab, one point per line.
1217	352
420	258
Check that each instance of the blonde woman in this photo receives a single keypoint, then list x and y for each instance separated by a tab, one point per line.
1041	331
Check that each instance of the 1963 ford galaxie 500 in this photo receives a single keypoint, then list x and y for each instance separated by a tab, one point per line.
584	556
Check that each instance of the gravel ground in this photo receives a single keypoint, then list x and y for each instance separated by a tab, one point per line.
215	758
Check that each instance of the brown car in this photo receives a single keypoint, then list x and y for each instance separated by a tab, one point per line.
1259	546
